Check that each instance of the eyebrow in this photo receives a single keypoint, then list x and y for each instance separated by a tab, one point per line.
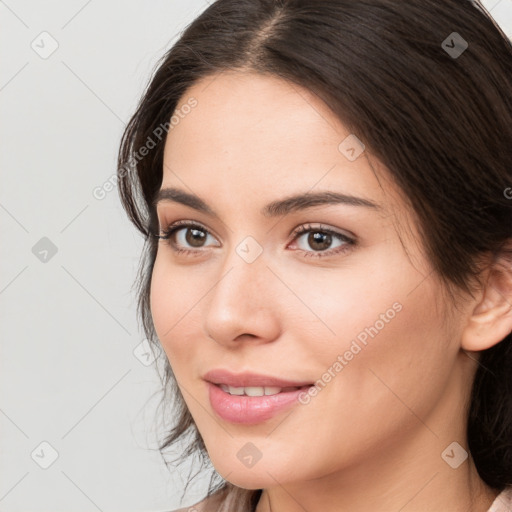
275	208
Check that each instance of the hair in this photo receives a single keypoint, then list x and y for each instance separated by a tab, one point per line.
441	123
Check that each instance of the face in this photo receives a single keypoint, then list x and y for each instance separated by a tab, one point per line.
337	294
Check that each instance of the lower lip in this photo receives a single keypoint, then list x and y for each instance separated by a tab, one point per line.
250	409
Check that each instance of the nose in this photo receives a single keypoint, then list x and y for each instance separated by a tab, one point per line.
243	303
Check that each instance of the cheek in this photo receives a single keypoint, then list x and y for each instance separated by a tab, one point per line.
366	299
392	356
173	303
380	334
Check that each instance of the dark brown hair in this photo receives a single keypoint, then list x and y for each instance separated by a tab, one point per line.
396	75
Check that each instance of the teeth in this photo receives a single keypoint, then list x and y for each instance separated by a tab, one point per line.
272	390
234	391
254	390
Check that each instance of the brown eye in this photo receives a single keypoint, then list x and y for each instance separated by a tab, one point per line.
184	236
194	237
319	241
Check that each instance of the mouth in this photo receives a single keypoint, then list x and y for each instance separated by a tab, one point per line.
250	398
252	405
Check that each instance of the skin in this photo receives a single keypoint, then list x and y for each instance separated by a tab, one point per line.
372	439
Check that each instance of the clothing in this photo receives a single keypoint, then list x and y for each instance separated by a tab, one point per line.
503	502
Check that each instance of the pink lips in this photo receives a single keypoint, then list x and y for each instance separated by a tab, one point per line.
250	409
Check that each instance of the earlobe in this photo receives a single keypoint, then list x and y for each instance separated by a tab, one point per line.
491	319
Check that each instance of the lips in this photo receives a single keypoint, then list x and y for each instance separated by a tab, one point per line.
251	398
250	410
251	380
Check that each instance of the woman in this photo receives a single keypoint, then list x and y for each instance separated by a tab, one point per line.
324	190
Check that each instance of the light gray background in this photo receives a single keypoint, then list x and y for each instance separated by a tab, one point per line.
72	368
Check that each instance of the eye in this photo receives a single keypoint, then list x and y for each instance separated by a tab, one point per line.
321	240
186	237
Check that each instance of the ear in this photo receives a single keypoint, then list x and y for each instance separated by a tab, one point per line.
491	319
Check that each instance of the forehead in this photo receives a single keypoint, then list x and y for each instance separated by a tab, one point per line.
254	110
251	135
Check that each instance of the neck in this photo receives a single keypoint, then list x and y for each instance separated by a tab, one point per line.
459	491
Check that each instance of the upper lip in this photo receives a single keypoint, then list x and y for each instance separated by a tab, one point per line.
248	379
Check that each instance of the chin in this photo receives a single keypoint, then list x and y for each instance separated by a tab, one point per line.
250	483
247	478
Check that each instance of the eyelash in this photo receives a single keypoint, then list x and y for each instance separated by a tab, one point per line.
176	226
